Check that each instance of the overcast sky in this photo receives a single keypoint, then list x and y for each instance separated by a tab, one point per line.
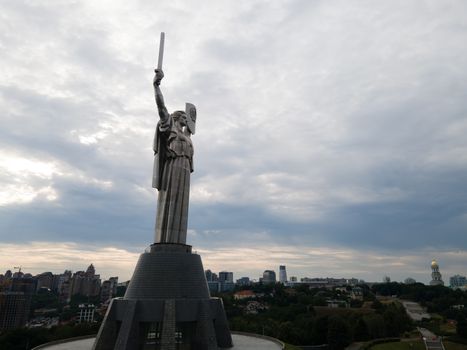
331	135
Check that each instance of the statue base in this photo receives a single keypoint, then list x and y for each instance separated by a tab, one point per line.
167	306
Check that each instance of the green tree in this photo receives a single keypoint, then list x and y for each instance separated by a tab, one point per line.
356	303
288	333
461	327
338	334
23	338
396	320
319	300
361	331
377	305
320	330
375	326
392	322
304	328
44	300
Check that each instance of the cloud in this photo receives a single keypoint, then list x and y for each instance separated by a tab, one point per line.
38	257
325	122
27	179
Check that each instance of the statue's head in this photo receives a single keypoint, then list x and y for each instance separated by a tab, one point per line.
179	116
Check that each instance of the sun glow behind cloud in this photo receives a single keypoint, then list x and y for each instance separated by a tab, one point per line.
18	174
23	167
27	179
21	194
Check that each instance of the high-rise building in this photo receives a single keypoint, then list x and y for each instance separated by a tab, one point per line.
214	286
244	281
282	274
435	275
15	302
14	309
227	286
45	280
208	274
225	276
90	271
86	283
269	276
211	276
226	281
18	274
106	293
64	286
109	288
458	281
86	313
113	284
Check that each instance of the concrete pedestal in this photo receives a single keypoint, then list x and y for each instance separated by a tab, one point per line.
241	342
167	306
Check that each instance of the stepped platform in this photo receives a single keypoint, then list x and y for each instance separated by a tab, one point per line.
241	341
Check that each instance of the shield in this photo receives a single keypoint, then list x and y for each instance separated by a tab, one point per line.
190	111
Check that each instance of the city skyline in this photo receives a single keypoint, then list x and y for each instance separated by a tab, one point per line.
235	276
330	135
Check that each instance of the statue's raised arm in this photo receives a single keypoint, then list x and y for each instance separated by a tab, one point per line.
163	113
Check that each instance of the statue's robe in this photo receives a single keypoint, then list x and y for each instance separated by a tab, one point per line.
173	163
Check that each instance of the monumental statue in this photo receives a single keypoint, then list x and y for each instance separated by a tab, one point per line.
167	305
173	163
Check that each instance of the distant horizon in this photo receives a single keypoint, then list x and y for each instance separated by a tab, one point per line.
253	279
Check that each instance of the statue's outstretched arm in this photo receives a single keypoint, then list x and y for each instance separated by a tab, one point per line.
163	113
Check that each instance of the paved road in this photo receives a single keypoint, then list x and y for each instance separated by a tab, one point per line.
432	341
415	311
354	346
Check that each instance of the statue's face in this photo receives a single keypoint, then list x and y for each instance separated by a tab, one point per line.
182	119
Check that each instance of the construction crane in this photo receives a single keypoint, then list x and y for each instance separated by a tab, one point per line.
20	267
